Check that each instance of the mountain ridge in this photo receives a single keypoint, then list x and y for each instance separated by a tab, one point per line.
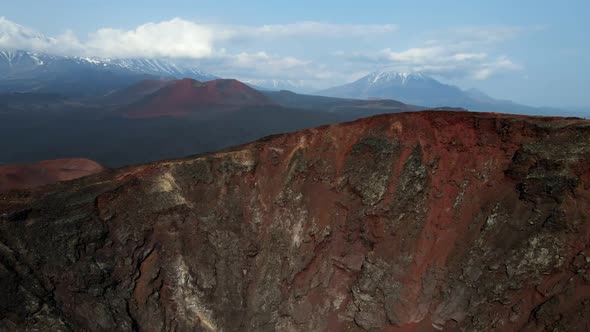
147	66
23	71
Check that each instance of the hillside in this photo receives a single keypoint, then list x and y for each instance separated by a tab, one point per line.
403	222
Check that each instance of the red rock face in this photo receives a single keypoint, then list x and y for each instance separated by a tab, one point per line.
188	96
408	222
25	176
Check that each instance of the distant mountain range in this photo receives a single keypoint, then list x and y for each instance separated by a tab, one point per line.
81	77
22	71
160	119
419	89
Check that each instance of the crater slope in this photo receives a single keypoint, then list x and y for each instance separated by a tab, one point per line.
405	222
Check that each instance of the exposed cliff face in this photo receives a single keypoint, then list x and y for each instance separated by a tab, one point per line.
25	176
406	222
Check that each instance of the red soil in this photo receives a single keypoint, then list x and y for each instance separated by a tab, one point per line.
187	96
26	176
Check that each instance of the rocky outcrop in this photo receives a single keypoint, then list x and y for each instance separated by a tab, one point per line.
405	222
26	176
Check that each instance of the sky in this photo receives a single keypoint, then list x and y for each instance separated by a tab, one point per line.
532	52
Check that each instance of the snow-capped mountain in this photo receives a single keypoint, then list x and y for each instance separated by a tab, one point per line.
157	67
411	88
420	89
14	63
34	71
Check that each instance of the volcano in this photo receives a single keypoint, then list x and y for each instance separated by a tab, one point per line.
436	220
187	96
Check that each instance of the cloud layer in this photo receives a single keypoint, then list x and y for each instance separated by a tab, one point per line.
174	38
259	52
459	53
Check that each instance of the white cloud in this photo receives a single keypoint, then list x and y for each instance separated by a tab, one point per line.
482	74
204	43
14	36
247	60
463	52
236	50
299	30
264	66
445	61
174	38
17	37
469	56
310	30
482	34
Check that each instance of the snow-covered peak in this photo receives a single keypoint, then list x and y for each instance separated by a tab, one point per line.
402	78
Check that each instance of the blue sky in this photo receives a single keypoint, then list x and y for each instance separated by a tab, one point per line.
533	52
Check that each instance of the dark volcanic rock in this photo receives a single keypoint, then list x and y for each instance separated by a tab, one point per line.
406	222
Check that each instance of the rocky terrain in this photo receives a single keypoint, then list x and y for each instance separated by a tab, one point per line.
24	176
425	221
